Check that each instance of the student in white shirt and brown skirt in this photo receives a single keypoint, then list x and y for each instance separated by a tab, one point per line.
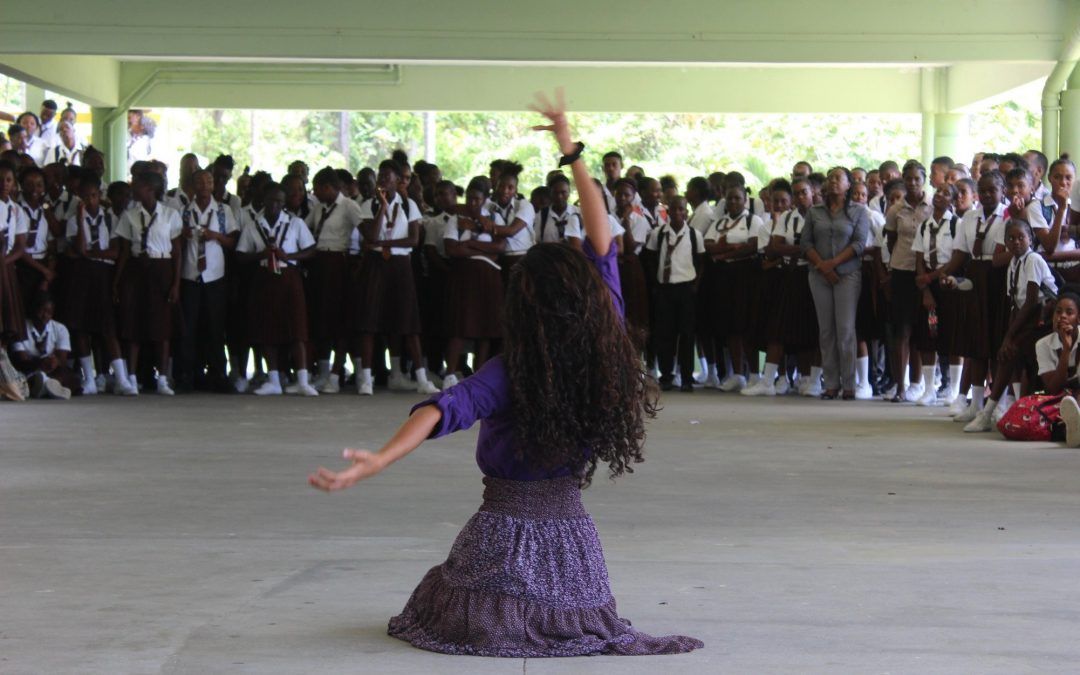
36	269
332	223
434	294
148	275
12	242
631	273
277	308
475	304
388	303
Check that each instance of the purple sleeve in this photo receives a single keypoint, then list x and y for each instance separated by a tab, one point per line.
484	394
608	267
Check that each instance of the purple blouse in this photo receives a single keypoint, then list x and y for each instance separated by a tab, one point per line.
485	396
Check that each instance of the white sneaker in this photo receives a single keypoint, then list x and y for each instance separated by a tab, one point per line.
427	387
677	381
306	390
913	393
864	392
967	414
700	378
888	393
331	386
133	385
449	381
813	389
399	382
761	388
733	383
268	388
1000	411
982	422
319	382
240	384
163	388
1070	415
712	381
364	387
56	390
929	398
89	388
958	406
101	382
783	385
293	388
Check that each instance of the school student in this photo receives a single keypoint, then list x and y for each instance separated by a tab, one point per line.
475	303
436	278
936	326
222	170
560	222
13	227
1057	359
67	150
209	233
240	277
1056	205
91	315
698	194
517	215
732	242
772	298
1027	276
1021	202
36	269
277	310
870	316
181	196
612	165
332	222
43	355
652	207
675	260
631	273
390	229
148	275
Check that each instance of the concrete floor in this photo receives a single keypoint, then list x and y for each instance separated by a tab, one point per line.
179	535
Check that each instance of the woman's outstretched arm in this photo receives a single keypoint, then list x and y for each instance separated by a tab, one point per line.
366	464
593	212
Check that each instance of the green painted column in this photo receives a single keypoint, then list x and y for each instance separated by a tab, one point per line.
34	98
109	134
928	123
1069	135
951	136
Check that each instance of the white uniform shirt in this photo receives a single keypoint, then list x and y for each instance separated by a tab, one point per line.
875	233
13	222
548	223
289	233
935	236
39	344
397	220
48	132
703	217
790	226
233	202
177	199
517	209
658	217
37	149
879	204
638	227
1025	269
452	232
59	152
434	228
1048	354
38	235
616	227
682	250
736	230
164	225
97	230
975	222
332	225
216	217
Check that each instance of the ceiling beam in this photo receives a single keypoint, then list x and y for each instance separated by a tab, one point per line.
91	79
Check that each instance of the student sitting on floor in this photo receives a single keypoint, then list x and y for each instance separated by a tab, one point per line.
43	355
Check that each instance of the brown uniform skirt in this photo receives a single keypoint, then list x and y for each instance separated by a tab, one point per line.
88	306
277	309
476	300
12	319
387	297
871	314
635	294
983	314
772	302
145	312
800	315
327	281
733	297
949	306
434	296
29	282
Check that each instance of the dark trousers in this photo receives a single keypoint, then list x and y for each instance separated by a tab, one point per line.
202	343
674	316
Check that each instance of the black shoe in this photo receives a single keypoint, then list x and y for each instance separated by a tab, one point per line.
666	384
687	387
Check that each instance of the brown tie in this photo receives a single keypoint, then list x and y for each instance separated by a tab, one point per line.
666	269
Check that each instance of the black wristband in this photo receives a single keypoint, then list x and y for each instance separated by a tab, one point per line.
572	157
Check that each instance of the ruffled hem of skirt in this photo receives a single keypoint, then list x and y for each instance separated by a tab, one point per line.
464	621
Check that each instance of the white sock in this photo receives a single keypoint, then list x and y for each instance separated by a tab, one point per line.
395	366
356	367
928	377
815	375
365	374
977	394
87	365
421	375
989	406
275	377
956	373
862	370
703	364
302	376
119	369
712	371
324	369
770	372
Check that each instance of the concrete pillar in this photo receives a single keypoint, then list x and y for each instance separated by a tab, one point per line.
951	136
927	138
109	135
34	98
1069	134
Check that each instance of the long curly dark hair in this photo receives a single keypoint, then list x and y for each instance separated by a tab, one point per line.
580	394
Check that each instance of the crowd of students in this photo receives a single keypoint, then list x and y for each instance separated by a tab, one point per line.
926	285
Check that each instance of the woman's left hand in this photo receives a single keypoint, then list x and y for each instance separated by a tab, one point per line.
365	464
556	114
832	277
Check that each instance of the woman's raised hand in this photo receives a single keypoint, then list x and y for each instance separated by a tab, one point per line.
556	114
365	464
